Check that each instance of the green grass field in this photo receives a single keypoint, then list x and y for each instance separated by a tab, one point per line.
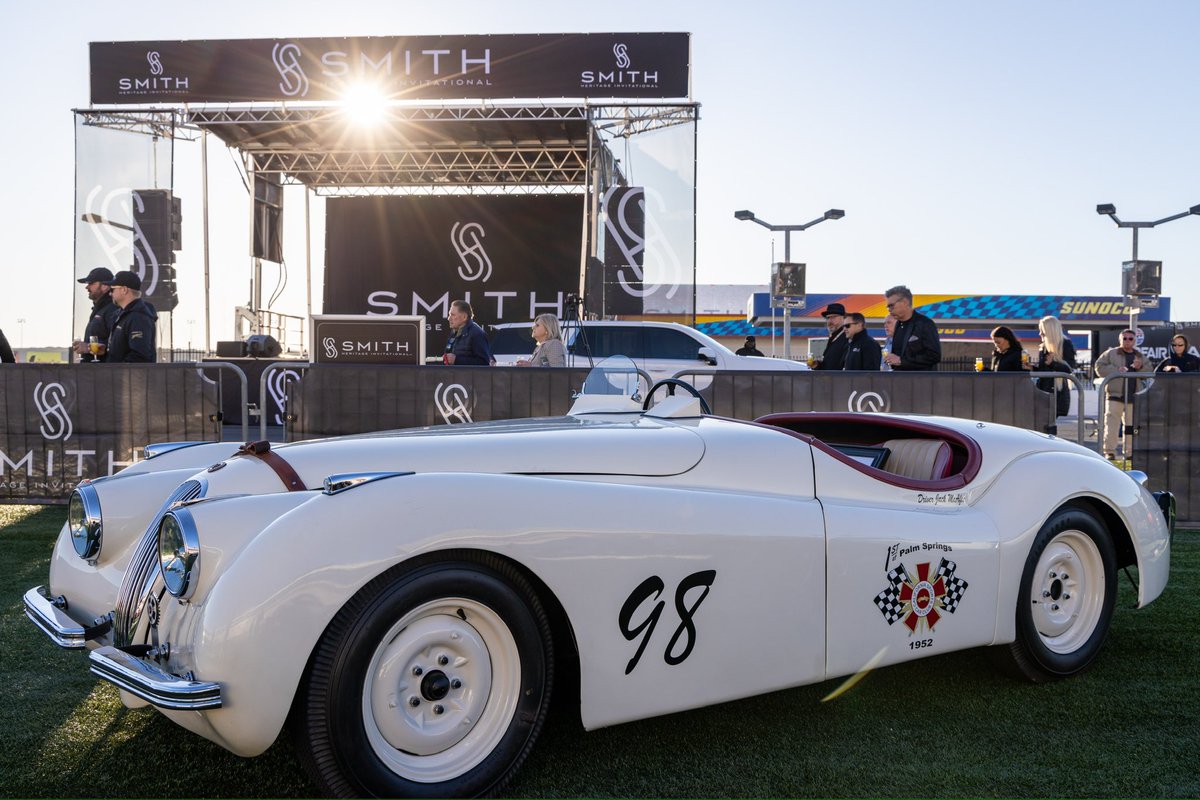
952	725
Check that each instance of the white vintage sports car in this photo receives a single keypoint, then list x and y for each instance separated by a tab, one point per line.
401	600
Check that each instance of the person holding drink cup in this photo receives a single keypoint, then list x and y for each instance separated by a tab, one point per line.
93	347
1008	355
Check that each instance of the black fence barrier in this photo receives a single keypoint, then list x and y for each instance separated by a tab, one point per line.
1005	397
333	400
65	422
1166	440
269	407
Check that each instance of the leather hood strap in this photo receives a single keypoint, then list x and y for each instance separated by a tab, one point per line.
262	451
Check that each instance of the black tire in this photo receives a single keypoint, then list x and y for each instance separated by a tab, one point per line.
671	383
366	722
1066	599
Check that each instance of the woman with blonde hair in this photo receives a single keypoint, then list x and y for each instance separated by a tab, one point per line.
1057	354
549	351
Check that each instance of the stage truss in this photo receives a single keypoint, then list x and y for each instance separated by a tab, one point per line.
483	148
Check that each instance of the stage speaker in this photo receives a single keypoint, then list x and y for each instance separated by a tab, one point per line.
153	222
262	346
267	237
234	349
1141	278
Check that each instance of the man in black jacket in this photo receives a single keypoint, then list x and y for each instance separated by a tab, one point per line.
915	345
104	314
468	343
835	349
863	352
133	334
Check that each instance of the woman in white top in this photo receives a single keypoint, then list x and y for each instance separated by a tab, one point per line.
549	351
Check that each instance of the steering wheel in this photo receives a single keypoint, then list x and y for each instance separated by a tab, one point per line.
671	383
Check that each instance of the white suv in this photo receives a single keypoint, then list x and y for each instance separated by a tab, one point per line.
662	349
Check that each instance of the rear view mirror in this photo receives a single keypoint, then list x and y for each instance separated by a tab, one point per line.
707	355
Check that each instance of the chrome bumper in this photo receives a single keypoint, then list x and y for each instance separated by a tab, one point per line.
54	622
158	687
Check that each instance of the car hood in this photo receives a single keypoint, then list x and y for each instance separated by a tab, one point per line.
596	445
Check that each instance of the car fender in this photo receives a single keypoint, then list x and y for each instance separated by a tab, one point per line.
91	589
1030	488
274	601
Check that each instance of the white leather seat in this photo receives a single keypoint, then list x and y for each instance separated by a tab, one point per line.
920	459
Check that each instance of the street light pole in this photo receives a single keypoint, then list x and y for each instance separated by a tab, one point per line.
833	213
1110	211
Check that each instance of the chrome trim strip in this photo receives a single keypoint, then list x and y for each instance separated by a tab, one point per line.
345	481
143	567
62	630
161	448
88	540
152	684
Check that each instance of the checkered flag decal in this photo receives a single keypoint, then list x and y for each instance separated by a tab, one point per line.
955	587
889	599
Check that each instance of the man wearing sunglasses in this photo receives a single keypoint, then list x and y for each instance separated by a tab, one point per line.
1118	395
863	353
915	345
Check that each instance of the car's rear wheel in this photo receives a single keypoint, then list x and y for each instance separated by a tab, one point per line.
432	681
1067	595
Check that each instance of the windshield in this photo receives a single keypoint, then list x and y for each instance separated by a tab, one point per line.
615	375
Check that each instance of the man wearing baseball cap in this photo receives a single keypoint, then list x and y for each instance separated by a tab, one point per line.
93	346
133	333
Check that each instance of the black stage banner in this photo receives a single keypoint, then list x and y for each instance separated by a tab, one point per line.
624	250
511	257
617	65
63	423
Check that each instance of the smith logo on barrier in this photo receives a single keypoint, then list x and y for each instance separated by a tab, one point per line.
155	62
286	58
868	401
452	402
277	387
49	398
330	346
467	241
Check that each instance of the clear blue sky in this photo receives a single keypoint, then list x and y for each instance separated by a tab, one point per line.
968	142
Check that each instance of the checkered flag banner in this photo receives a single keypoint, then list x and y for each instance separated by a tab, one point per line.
888	601
955	587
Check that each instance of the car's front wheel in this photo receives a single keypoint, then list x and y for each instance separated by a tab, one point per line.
432	681
1067	595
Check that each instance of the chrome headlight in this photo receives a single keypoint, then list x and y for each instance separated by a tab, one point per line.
83	521
179	552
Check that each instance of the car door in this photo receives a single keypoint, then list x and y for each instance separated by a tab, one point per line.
669	351
908	577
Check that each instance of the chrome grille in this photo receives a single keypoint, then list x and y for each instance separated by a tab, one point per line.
143	568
